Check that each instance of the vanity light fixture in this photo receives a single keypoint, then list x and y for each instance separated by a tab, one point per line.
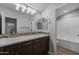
17	6
29	9
33	12
48	19
24	8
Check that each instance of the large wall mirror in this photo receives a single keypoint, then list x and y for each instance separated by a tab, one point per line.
10	25
42	24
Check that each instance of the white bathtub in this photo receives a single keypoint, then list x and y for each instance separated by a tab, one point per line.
69	43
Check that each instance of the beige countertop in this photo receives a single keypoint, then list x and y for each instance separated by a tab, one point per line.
10	41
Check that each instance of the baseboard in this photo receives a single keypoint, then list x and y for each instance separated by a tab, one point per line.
50	53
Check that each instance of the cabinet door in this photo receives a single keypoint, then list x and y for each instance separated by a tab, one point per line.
2	51
26	48
36	47
44	45
11	49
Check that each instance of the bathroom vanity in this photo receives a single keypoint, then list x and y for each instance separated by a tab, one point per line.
33	44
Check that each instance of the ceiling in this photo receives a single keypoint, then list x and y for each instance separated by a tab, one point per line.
42	6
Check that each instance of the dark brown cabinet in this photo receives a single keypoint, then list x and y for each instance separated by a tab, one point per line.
39	46
2	51
36	47
26	48
11	49
44	45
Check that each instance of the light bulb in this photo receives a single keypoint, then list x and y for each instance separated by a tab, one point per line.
27	11
23	8
17	7
32	12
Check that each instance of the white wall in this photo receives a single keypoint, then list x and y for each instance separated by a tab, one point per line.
23	20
